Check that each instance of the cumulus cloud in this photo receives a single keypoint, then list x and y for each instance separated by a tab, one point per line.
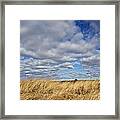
52	45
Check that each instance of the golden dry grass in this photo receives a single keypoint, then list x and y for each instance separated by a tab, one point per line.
59	90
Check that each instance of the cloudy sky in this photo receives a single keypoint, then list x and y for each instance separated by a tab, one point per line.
65	49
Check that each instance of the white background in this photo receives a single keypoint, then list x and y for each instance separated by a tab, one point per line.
104	106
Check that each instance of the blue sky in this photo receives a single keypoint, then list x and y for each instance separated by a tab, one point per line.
60	49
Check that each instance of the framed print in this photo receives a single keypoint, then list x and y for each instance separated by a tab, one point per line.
60	59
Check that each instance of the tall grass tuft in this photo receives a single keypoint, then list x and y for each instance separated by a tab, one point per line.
59	90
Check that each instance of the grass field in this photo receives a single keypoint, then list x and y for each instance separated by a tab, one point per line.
59	90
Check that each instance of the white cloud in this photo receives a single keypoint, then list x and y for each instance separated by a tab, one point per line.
27	52
65	65
44	37
91	58
53	40
56	44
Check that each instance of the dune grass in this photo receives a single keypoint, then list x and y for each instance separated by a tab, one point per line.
59	90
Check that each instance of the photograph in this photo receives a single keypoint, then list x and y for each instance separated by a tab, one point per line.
59	59
60	63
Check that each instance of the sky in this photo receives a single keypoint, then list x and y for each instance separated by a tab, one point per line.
60	49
